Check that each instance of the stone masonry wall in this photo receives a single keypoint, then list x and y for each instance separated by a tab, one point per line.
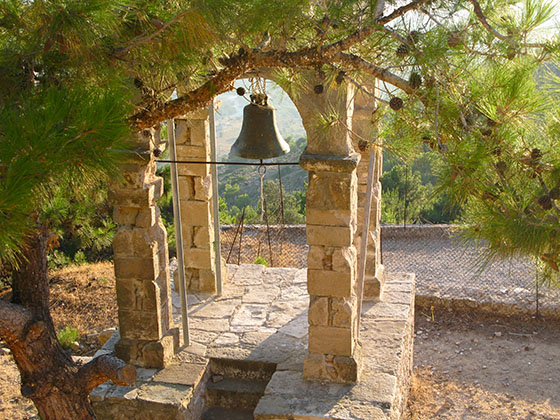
148	337
195	192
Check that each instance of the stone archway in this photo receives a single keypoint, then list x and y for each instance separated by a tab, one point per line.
337	182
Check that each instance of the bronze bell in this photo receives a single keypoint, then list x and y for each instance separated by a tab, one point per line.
259	137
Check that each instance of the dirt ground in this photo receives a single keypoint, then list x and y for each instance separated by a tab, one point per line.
467	365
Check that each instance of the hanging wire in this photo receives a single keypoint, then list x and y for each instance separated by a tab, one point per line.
241	237
281	196
268	233
206	162
262	171
405	195
236	233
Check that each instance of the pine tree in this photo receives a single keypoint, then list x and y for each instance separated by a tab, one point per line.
78	77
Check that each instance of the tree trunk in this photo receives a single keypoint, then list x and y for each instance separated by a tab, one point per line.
49	377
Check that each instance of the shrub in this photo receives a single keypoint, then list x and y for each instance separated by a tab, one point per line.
67	336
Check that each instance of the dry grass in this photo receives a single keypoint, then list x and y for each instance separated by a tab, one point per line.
84	297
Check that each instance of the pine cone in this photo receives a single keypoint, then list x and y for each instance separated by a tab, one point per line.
545	202
396	103
536	154
340	77
403	50
454	39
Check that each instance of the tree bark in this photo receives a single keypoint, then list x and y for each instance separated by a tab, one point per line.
49	376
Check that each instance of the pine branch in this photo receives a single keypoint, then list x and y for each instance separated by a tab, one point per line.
401	11
104	368
142	39
359	63
482	19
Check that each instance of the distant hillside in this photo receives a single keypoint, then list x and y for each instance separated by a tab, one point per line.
248	180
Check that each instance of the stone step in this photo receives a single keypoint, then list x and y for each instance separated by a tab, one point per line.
234	393
218	413
242	369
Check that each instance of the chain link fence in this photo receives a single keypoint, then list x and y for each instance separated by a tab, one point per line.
275	245
446	268
449	269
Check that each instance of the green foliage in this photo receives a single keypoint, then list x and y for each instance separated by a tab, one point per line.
82	221
165	204
414	186
68	336
261	260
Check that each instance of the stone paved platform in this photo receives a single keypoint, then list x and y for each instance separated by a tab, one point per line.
262	316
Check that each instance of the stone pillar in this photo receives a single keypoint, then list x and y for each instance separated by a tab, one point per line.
364	132
192	137
334	353
148	338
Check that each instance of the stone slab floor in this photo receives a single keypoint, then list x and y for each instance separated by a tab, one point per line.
262	316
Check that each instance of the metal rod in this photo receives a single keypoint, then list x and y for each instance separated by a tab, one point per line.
365	234
215	203
178	233
268	232
212	162
405	195
235	236
241	236
281	195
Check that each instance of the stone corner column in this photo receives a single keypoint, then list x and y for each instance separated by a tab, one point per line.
334	353
364	131
148	337
192	137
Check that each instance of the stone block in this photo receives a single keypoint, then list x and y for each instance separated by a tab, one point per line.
200	131
331	340
339	369
203	188
138	295
372	288
328	283
320	257
331	191
136	268
125	215
139	325
190	151
329	235
318	311
207	281
147	217
159	354
143	245
202	259
181	374
342	312
135	197
182	132
328	217
344	260
192	169
122	243
195	213
158	184
203	236
186	187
